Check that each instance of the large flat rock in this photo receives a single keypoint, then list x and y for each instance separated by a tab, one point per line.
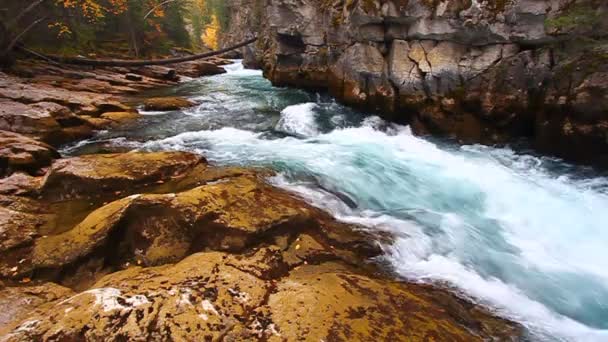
213	296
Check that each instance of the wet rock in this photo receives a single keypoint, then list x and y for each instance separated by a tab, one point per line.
133	77
158	229
79	102
20	153
158	72
575	124
17	302
333	302
199	68
116	119
212	296
219	61
211	252
199	298
36	121
167	103
96	123
20	221
209	69
20	183
88	175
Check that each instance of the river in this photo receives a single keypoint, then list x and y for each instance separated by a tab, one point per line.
524	235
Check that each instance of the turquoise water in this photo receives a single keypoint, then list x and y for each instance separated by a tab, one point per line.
524	235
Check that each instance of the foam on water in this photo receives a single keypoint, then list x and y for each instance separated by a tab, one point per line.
502	228
152	112
299	120
237	68
517	239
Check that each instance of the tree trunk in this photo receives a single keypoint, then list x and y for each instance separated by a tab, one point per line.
144	62
134	40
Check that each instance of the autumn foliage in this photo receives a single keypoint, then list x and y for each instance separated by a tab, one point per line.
106	27
117	27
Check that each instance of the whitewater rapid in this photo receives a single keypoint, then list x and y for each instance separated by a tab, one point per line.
525	236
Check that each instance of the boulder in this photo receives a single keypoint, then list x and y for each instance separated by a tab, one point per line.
209	69
134	77
34	120
333	302
164	228
117	119
219	61
213	296
82	177
199	68
79	102
166	103
158	72
21	219
17	302
20	183
20	153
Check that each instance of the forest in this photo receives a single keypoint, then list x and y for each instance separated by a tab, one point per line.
112	28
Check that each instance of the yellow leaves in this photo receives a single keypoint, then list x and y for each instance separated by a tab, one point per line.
62	29
94	9
210	36
159	11
117	6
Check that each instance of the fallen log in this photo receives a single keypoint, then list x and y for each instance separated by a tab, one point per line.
137	62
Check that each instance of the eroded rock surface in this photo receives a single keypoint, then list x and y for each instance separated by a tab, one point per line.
60	104
162	246
209	297
166	103
89	175
20	153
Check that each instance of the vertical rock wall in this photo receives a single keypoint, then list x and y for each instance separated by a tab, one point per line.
479	71
245	18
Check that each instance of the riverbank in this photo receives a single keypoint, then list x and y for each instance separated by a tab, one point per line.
164	245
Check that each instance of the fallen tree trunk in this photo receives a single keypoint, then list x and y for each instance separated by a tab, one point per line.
139	62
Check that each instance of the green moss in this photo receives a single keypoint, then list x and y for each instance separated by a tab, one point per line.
574	17
589	60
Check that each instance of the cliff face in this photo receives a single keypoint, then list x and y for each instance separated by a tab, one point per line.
244	22
480	71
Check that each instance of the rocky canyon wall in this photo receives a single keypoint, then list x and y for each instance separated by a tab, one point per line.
244	22
478	71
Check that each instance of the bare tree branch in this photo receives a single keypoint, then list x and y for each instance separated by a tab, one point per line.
36	54
11	45
24	12
144	62
157	6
